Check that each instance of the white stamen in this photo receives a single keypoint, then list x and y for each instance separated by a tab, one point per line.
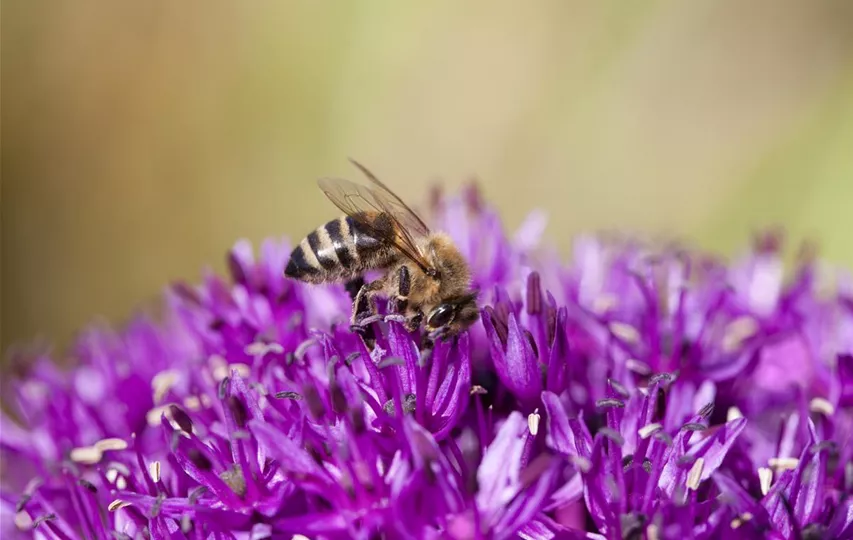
162	382
242	370
637	366
652	532
153	416
117	505
738	331
87	455
192	403
583	464
604	303
741	519
299	353
23	521
120	468
111	444
299	537
121	483
257	348
154	471
218	366
649	429
216	360
822	406
111	475
733	414
220	373
783	464
695	474
625	332
32	485
533	422
765	479
260	348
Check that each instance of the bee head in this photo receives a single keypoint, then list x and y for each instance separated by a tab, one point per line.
454	315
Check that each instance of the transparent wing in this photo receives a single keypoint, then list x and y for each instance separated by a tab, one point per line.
410	221
363	204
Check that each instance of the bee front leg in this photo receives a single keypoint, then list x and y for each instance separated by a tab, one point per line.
363	305
353	287
414	320
360	306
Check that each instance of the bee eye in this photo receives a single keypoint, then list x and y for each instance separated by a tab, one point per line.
440	316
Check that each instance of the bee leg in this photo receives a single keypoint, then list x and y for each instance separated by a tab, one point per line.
414	320
363	305
364	309
411	321
427	346
404	287
401	300
353	286
440	334
360	305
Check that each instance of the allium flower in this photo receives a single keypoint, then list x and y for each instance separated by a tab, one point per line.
636	391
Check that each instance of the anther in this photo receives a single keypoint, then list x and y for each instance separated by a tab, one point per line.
649	429
181	418
695	474
198	459
288	395
238	411
533	422
610	403
625	332
534	294
618	388
613	435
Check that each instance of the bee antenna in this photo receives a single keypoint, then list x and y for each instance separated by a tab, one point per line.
361	167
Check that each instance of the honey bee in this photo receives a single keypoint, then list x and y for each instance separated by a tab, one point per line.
424	274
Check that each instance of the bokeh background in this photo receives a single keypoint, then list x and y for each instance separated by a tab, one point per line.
141	139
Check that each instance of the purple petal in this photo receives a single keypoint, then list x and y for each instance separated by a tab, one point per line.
518	367
569	437
841	525
498	473
712	450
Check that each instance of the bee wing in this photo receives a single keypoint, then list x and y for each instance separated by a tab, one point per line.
409	220
358	201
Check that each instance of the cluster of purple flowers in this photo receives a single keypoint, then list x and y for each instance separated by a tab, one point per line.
638	392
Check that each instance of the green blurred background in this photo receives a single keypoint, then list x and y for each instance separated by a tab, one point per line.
141	139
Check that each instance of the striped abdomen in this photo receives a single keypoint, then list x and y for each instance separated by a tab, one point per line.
339	250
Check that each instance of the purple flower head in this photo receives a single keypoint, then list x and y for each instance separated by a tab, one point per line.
637	391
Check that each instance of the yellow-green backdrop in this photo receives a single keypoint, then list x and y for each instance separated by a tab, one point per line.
141	138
